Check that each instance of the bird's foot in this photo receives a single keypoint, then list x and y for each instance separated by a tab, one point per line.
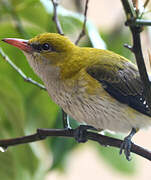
126	147
66	121
126	144
81	133
68	127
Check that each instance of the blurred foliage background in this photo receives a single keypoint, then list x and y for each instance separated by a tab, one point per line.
24	107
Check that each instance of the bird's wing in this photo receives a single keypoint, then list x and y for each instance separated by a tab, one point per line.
122	82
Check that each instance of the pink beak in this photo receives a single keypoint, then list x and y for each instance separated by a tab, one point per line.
19	43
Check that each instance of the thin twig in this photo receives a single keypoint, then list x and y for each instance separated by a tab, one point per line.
20	72
82	33
128	47
146	3
137	50
55	17
135	4
138	22
149	57
70	133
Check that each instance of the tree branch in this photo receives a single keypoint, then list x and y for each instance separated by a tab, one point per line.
42	134
82	33
19	71
55	17
137	49
146	3
138	22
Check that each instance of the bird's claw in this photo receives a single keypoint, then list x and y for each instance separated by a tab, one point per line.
127	143
81	133
126	147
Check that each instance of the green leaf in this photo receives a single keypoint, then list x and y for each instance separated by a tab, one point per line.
61	147
118	37
42	111
19	161
31	15
7	166
12	105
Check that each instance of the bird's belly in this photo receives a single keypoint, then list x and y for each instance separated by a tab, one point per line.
102	113
99	113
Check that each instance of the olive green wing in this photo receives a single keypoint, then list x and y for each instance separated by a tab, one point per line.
122	81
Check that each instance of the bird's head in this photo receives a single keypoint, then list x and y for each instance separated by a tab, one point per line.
45	52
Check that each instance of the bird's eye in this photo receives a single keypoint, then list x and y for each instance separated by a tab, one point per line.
45	46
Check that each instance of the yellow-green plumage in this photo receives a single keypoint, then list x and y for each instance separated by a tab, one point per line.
98	87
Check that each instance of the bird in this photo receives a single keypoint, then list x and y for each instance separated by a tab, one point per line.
97	87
